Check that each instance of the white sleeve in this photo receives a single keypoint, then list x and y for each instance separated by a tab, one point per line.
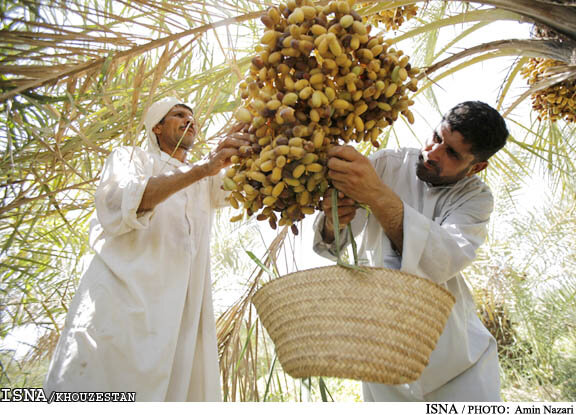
322	248
329	251
124	179
440	249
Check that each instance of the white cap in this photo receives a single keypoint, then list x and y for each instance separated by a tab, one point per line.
155	113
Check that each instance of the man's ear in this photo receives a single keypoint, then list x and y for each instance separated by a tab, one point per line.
157	129
477	168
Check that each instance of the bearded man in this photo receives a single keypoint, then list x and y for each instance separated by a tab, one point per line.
428	214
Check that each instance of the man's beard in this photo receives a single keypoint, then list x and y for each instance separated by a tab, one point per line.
433	176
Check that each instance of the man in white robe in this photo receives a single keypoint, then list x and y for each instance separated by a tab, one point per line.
142	318
428	215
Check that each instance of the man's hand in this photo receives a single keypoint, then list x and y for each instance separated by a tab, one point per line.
346	211
353	174
219	158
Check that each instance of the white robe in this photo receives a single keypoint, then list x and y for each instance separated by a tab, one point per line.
443	227
142	318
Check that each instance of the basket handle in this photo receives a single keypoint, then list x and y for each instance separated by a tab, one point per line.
336	225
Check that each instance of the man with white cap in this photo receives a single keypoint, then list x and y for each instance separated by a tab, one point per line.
142	318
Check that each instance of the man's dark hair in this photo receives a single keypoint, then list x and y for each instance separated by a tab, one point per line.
480	125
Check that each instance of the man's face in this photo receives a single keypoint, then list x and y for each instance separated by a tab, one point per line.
446	158
178	130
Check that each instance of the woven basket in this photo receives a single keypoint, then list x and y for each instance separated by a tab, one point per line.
376	326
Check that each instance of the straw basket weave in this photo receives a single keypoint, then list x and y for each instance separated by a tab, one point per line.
377	326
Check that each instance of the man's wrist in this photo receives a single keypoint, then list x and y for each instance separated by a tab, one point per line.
388	209
204	169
